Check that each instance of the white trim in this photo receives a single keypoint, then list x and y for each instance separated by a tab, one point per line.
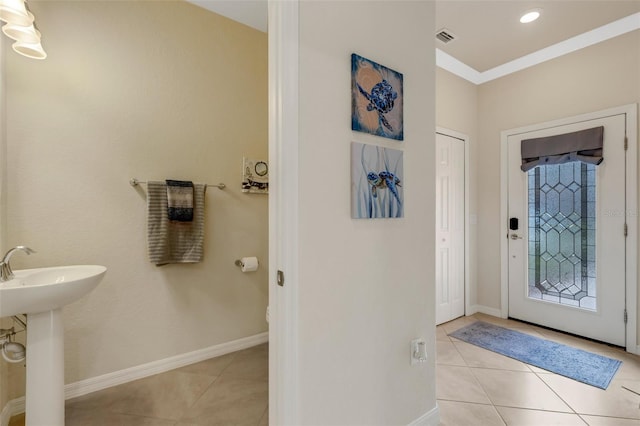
631	112
430	418
504	242
598	35
632	227
494	312
459	68
467	261
93	384
283	211
83	387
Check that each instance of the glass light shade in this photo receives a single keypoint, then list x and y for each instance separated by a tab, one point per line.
30	50
19	33
15	12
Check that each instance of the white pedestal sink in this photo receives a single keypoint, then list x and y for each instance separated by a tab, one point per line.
41	294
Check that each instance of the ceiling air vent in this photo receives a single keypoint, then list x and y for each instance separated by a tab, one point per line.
445	36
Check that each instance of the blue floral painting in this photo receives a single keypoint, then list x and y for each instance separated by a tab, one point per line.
377	180
376	99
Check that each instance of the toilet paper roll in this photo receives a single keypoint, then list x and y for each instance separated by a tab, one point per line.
249	264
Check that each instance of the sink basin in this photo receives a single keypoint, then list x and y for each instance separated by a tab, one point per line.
41	293
45	289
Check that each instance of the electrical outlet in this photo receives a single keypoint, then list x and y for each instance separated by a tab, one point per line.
418	351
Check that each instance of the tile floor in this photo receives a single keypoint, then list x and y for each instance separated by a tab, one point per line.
479	387
474	387
231	389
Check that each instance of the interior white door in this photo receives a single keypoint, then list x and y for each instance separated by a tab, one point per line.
450	262
567	257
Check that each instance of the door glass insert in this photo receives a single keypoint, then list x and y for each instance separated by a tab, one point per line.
562	234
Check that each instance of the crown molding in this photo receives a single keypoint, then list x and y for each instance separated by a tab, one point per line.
598	35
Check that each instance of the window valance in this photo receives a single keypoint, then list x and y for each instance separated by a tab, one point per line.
584	145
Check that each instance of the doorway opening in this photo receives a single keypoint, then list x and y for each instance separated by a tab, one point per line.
570	246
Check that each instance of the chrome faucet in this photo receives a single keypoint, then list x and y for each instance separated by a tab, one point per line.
6	273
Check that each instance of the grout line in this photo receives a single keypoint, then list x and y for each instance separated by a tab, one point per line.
481	386
540	410
630	390
466	402
538	375
215	380
537	409
265	413
584	420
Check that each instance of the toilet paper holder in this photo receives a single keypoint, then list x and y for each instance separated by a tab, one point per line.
239	263
247	264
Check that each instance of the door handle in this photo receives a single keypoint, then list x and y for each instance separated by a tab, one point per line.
515	237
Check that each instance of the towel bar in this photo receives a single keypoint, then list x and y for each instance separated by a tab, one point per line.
136	182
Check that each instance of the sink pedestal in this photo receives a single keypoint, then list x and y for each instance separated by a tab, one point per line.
45	369
41	293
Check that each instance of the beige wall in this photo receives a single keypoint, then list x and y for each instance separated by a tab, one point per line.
599	77
457	110
456	103
366	287
153	90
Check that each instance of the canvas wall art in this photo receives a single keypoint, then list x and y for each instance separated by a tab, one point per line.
377	179
376	99
255	176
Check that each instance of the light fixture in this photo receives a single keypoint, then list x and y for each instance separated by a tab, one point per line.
17	32
25	34
30	50
15	12
20	26
530	16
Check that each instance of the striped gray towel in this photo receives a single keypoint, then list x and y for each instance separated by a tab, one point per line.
174	242
180	200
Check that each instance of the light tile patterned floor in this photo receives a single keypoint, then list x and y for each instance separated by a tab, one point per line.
474	387
228	390
479	387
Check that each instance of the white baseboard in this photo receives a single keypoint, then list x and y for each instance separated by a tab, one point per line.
485	310
430	418
93	384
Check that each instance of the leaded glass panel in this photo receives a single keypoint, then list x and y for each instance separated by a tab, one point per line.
562	234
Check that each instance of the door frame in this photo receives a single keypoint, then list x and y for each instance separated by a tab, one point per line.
631	193
467	270
283	41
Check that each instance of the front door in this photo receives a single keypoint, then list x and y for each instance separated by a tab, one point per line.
567	237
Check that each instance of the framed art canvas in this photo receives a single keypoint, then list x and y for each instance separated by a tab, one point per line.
376	99
377	179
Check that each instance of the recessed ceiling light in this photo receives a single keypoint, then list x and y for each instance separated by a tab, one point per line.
530	16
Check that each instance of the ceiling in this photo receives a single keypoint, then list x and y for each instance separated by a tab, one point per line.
249	12
488	34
